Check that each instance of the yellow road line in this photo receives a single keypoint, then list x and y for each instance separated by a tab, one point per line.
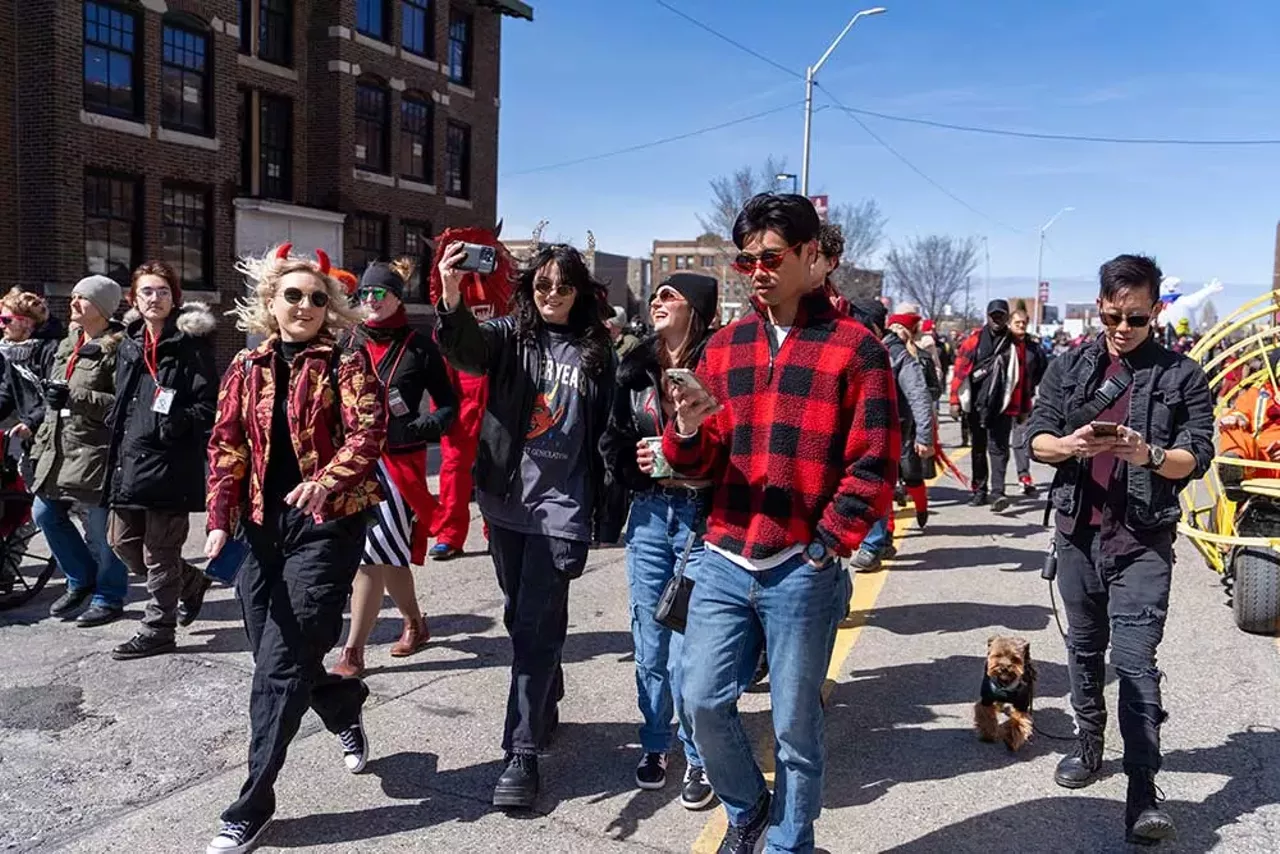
866	589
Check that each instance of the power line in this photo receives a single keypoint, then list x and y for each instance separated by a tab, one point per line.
739	45
862	124
642	146
852	114
1062	137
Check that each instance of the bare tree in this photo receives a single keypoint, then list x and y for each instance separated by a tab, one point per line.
729	194
931	270
863	228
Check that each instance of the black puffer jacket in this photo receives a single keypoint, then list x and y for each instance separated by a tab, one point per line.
156	461
418	368
494	349
637	413
25	365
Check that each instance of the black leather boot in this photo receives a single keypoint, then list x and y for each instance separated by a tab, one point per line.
1081	767
1145	821
517	788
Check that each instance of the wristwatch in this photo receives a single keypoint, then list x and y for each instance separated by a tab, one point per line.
816	552
1155	458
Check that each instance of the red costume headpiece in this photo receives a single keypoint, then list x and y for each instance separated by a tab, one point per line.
496	289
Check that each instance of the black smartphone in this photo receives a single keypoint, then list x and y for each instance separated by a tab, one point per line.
479	259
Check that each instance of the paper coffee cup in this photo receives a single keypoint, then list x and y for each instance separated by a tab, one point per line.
661	468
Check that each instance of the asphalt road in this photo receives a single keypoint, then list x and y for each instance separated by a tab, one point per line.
105	756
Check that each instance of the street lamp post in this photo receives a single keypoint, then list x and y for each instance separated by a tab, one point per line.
1035	317
809	74
783	176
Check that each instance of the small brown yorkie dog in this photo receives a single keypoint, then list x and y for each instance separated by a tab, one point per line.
1008	685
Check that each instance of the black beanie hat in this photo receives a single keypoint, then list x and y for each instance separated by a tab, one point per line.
701	292
870	312
380	275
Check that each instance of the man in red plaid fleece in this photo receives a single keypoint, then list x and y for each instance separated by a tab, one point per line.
797	428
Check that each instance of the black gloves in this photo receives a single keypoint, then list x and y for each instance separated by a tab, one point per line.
56	395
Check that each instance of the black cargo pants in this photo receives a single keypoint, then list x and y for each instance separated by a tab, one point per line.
1121	600
292	590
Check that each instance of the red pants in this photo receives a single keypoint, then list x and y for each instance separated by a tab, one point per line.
457	455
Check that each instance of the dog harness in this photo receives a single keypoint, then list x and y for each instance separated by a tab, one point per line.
1018	696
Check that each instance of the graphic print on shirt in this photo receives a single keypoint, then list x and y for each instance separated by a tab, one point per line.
561	384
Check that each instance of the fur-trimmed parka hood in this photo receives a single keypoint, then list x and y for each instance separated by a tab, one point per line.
193	318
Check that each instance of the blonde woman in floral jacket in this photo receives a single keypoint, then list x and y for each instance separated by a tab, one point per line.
298	431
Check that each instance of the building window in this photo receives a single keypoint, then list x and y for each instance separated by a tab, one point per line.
457	182
266	30
665	263
460	47
708	261
244	121
184	76
418	27
112	231
680	262
372	18
184	215
417	245
111	61
368	241
275	144
372	124
415	139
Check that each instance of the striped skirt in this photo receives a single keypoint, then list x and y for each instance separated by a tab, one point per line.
390	538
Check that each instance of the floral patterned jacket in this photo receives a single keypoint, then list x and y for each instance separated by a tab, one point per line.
337	451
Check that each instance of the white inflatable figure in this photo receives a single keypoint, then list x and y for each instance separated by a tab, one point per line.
1179	306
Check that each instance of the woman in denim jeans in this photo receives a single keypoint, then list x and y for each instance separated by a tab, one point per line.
666	512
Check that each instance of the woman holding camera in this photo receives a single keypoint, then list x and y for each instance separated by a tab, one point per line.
296	438
542	483
409	365
666	517
71	456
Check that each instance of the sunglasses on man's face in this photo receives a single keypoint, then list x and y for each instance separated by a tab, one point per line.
546	288
1112	319
769	260
377	294
317	299
6	319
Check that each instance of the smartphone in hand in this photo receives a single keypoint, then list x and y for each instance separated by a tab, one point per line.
1105	429
686	378
479	259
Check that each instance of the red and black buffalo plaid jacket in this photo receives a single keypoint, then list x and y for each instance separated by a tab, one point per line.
808	442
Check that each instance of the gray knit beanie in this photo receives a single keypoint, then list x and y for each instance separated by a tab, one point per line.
104	293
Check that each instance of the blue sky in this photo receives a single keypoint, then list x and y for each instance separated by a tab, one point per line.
593	76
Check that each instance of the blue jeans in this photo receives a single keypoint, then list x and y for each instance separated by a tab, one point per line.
878	537
88	561
795	608
657	533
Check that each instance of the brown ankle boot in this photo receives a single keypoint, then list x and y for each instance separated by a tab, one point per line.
350	662
413	638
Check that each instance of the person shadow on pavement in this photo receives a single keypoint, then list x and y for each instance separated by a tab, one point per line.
1081	824
585	761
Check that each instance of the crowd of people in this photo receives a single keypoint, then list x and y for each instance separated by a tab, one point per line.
758	460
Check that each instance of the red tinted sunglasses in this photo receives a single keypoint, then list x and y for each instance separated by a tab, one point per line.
770	260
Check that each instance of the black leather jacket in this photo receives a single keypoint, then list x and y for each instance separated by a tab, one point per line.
1171	406
494	349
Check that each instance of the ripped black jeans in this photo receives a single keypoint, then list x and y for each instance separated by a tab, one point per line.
1121	600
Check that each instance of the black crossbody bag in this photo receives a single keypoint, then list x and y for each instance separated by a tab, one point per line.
673	604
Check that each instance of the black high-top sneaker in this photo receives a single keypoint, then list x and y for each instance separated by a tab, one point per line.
1145	821
1081	767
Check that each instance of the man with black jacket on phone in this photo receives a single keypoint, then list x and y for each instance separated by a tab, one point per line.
1127	424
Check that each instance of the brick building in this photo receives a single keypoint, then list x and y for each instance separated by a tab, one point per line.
626	278
710	255
199	130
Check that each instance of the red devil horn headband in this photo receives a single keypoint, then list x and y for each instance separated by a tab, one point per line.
322	257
